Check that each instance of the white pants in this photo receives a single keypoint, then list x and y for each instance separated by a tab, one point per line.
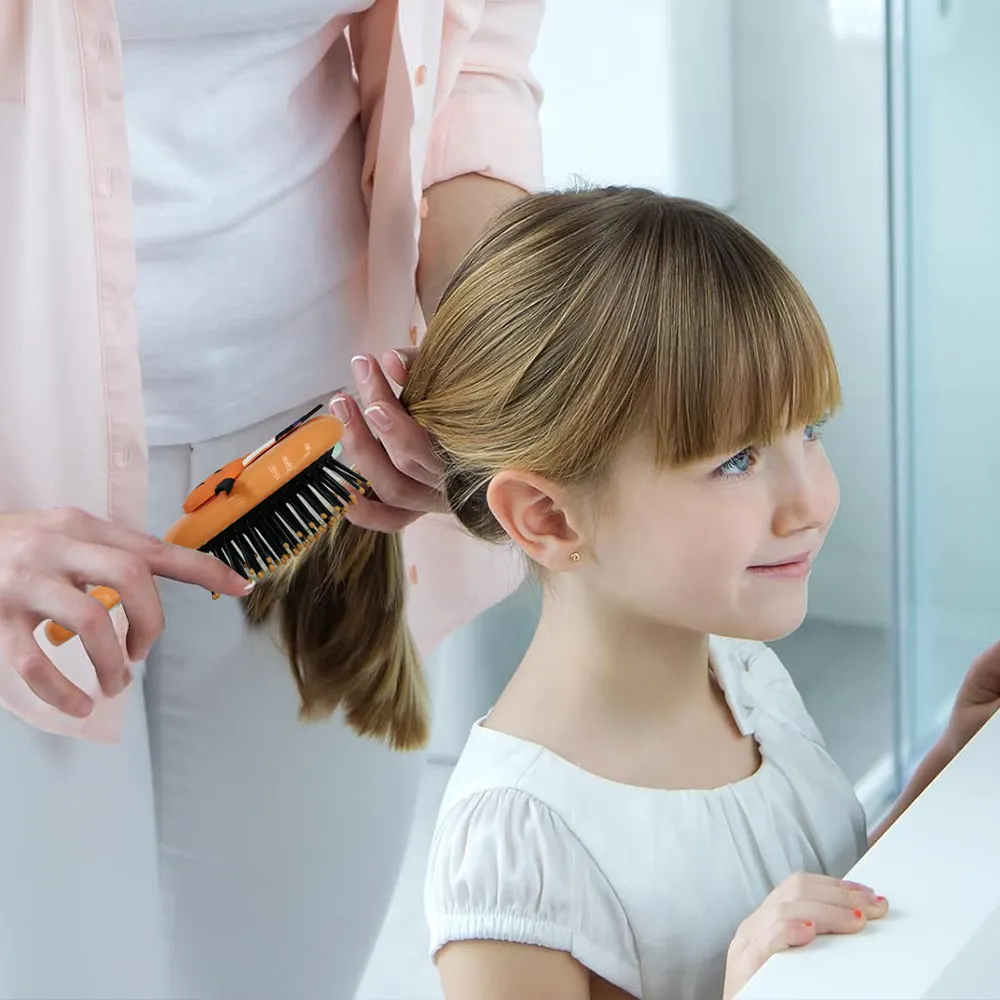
222	851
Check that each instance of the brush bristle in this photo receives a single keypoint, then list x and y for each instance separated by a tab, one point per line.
289	521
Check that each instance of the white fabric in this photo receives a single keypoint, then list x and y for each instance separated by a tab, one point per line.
279	842
251	230
645	887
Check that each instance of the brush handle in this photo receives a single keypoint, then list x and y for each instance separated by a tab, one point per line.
59	635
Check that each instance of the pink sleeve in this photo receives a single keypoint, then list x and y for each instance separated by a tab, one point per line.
488	123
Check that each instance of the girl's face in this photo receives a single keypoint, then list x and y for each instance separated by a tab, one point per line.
723	546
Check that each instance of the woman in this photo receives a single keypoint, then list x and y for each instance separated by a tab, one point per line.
287	215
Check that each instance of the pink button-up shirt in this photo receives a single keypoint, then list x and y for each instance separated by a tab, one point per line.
445	90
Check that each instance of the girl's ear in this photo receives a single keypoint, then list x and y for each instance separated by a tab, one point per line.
535	514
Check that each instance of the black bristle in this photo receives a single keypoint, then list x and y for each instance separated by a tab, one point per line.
337	493
280	525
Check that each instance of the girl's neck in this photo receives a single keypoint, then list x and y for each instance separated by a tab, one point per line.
592	657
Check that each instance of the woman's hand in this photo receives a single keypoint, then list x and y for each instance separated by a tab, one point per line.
388	447
47	558
802	907
977	700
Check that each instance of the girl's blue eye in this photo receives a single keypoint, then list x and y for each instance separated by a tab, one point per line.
814	431
739	465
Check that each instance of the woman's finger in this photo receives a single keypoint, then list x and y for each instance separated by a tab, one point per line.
406	442
377	516
396	363
19	648
89	619
171	561
132	577
369	458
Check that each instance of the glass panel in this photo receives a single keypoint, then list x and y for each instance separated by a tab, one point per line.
950	475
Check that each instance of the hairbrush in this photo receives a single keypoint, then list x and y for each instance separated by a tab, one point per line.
259	512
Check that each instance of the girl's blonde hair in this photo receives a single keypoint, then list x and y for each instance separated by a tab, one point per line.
578	322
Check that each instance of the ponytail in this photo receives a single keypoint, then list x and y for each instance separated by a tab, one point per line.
340	612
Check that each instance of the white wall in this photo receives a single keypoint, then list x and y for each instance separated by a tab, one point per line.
641	96
811	180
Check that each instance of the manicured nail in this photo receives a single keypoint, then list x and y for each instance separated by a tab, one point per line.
378	417
341	409
401	358
807	923
361	367
880	899
250	585
858	914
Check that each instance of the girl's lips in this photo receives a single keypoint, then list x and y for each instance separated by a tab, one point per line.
794	568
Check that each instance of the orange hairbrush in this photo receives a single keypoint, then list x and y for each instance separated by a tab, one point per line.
258	512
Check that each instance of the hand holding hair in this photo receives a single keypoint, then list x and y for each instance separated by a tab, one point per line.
385	445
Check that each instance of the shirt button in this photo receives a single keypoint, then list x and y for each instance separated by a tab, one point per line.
420	76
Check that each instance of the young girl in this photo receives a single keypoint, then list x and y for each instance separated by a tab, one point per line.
632	389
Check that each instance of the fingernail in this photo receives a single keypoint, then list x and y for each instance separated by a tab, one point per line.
341	409
250	585
858	914
378	417
807	923
401	358
361	367
84	707
880	899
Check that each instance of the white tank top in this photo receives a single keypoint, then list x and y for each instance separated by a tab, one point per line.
251	230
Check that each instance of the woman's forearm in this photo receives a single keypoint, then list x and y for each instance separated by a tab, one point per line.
457	211
929	768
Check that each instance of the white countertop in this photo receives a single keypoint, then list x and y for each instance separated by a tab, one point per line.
939	867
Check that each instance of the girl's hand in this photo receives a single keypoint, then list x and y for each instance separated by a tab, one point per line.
977	700
792	915
387	447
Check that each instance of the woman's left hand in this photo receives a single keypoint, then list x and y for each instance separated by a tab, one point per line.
977	700
390	449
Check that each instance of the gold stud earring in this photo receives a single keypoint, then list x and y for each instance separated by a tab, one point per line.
574	557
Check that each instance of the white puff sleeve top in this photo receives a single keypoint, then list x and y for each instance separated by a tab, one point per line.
645	887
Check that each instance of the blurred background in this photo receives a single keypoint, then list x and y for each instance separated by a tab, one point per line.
861	140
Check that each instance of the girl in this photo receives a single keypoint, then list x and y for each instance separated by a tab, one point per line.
632	388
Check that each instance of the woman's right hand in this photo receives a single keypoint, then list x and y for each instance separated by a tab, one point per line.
48	558
802	907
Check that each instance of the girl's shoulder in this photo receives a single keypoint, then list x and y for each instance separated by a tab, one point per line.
505	864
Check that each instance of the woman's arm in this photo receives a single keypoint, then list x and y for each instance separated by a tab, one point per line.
930	767
485	146
977	701
484	151
457	212
496	970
